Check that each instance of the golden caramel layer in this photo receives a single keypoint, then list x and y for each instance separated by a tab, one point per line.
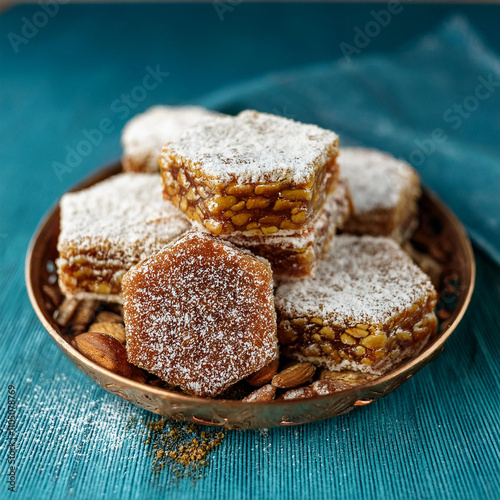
257	208
373	348
83	275
298	258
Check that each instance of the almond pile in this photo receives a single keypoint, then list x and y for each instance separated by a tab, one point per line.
99	334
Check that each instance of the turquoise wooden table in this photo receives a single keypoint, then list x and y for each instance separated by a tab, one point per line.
437	437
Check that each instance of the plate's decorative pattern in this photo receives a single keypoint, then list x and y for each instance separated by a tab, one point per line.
440	235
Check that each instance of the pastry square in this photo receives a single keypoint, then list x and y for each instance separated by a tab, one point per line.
384	192
144	136
367	308
108	228
255	173
297	253
200	314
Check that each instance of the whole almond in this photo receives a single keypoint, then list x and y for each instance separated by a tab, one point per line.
294	375
116	330
65	311
349	378
85	311
324	387
108	317
264	375
298	393
53	293
317	388
106	351
265	393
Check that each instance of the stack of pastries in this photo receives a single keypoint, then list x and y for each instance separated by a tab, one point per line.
237	244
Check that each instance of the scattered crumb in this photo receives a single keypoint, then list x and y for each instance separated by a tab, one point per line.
184	449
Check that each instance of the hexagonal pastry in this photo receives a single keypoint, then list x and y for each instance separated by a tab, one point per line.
384	191
108	228
367	308
255	173
145	134
200	314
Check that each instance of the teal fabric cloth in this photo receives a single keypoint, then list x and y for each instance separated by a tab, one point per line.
437	436
435	104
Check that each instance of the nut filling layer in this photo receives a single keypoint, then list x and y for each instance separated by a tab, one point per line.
254	172
297	254
374	348
85	275
255	208
108	228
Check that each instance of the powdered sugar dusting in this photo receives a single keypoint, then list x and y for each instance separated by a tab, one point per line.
375	179
200	314
254	147
363	280
64	420
144	135
125	216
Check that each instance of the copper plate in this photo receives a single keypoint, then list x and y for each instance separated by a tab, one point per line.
449	242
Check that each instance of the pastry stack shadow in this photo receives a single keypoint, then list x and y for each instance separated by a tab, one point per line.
258	262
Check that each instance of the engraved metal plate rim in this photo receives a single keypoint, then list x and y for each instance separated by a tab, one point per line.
361	392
